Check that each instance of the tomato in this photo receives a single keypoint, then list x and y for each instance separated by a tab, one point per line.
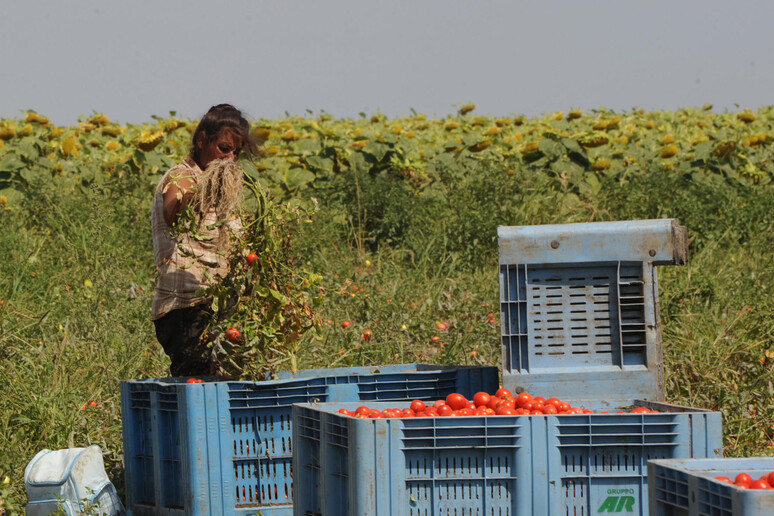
724	479
345	324
192	380
481	398
441	326
375	414
536	406
431	412
456	401
493	401
445	410
467	411
770	478
587	411
407	412
564	406
549	409
523	398
743	478
471	405
481	410
366	335
640	410
539	399
759	484
233	334
522	412
503	393
505	410
553	401
251	258
418	406
363	410
345	412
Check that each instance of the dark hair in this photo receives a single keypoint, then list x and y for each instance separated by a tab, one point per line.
222	116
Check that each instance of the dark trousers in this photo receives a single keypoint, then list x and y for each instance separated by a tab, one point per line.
178	333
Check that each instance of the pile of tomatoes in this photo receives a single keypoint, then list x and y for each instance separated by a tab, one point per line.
501	403
746	481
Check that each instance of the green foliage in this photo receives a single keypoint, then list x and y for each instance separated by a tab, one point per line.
268	301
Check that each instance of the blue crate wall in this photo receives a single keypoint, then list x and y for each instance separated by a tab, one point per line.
579	307
493	465
226	447
687	487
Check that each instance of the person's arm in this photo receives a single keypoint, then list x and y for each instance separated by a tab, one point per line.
177	195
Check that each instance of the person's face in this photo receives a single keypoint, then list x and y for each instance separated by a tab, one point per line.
225	146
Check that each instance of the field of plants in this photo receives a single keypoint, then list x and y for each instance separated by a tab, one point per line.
393	226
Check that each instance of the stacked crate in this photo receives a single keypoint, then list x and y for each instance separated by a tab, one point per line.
225	448
579	312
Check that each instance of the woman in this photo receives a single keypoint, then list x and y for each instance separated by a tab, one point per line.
190	249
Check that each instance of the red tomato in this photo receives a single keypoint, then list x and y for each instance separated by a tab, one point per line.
467	411
587	411
438	403
430	412
549	409
192	380
523	398
534	412
445	410
539	399
375	414
471	405
482	410
233	334
743	478
725	479
363	410
418	406
345	324
554	401
366	335
481	398
522	412
505	410
345	412
251	258
564	406
407	412
770	478
538	406
503	393
493	401
759	484
456	401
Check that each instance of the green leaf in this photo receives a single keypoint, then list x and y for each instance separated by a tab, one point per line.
551	148
11	163
318	163
308	146
297	177
703	151
376	149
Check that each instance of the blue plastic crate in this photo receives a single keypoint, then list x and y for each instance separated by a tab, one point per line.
226	447
688	487
579	307
488	465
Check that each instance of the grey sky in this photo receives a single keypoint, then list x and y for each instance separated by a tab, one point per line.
135	59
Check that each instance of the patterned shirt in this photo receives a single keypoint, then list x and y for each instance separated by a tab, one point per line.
185	264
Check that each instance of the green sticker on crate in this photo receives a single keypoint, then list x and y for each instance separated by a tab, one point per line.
616	503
